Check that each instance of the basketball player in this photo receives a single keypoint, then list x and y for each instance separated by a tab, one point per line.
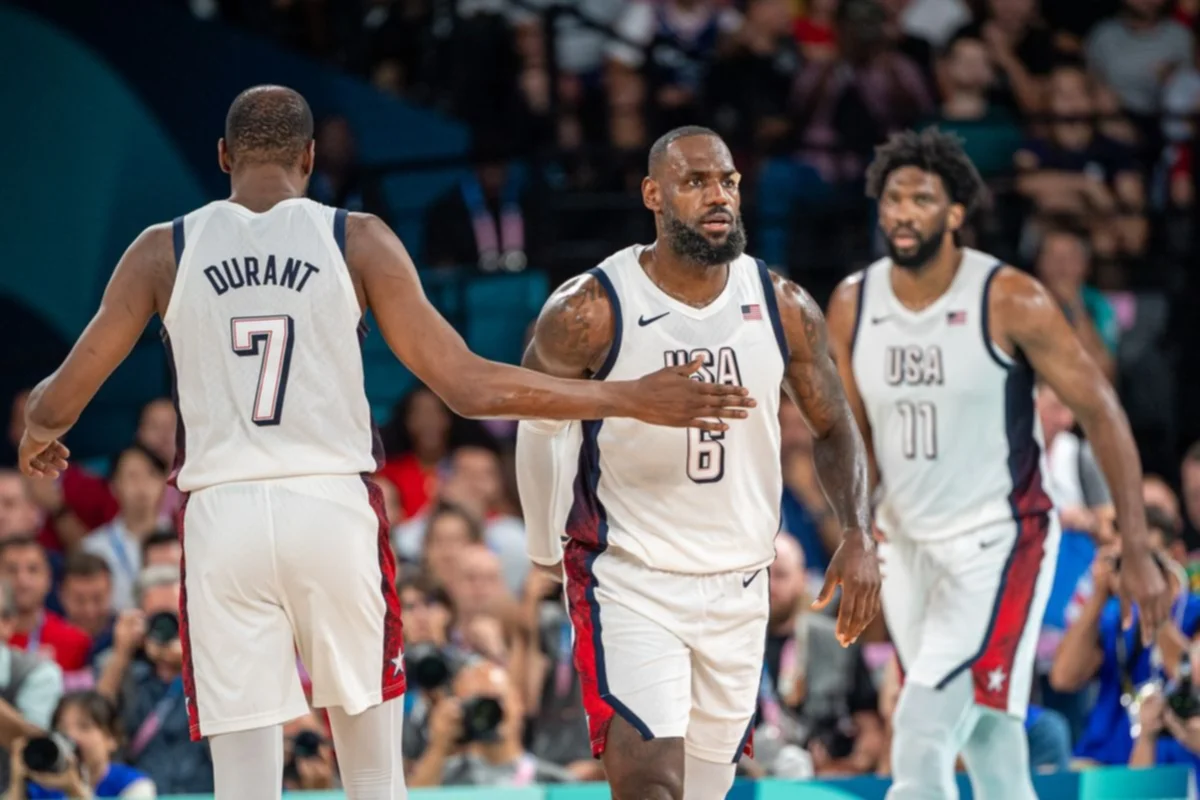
669	533
262	297
938	346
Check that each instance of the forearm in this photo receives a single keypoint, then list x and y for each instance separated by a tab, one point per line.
486	389
840	460
427	772
1026	88
14	726
1076	655
16	789
1144	752
112	676
50	413
1107	430
1173	645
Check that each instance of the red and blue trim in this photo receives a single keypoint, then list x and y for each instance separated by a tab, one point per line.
339	229
772	304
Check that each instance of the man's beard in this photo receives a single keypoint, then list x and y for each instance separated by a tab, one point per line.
927	248
689	243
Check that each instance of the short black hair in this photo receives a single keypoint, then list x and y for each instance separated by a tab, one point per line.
160	537
157	465
85	565
1159	519
658	150
268	124
934	151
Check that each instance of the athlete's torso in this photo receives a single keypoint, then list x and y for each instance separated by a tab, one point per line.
682	500
955	434
263	334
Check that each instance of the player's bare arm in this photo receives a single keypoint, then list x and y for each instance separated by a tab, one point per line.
140	286
840	319
813	382
1025	318
574	332
475	387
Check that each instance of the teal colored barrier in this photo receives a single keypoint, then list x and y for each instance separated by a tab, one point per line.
1115	783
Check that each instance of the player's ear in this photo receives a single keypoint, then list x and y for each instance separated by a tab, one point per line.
651	194
956	216
223	156
309	158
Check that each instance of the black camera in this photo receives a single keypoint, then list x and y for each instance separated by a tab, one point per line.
307	744
429	667
1181	694
481	719
48	754
836	735
162	628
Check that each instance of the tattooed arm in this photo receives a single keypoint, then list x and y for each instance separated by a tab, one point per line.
839	456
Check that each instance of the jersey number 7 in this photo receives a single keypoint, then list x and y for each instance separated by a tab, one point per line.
271	338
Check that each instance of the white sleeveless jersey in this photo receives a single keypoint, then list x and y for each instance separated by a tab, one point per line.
956	437
263	332
675	499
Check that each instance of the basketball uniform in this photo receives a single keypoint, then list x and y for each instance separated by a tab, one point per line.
971	543
285	541
670	530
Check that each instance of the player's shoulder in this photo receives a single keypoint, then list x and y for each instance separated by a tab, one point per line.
1012	290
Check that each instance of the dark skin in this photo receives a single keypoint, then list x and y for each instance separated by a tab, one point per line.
697	182
1023	318
387	283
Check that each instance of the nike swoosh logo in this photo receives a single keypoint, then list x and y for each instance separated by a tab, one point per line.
643	322
747	581
877	320
986	545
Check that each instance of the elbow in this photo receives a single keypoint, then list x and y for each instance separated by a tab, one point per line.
1063	679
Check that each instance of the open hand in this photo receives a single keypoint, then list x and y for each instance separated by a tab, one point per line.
673	398
855	566
42	459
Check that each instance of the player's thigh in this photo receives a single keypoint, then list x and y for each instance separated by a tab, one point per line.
339	576
630	661
903	596
986	602
727	665
239	661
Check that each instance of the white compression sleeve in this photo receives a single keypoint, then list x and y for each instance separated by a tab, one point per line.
705	780
247	763
540	472
368	747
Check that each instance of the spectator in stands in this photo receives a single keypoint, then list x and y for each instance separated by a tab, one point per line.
30	686
806	514
1164	738
827	687
1063	265
1078	173
72	505
139	478
449	530
86	595
417	439
476	484
308	756
1074	480
483	607
162	548
749	84
1189	473
1021	47
391	500
1136	51
90	721
157	431
1096	646
336	179
659	64
815	30
1157	493
935	21
990	133
490	757
18	514
149	690
37	629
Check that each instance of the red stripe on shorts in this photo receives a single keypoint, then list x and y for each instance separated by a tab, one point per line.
393	682
581	604
185	637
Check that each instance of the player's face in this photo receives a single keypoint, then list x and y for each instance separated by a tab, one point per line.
916	216
696	190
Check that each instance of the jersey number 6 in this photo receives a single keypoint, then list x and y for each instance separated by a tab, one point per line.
271	338
706	456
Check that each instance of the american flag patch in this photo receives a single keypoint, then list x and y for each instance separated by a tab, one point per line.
752	312
956	318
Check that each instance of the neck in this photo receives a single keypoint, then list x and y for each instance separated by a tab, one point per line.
96	770
261	186
140	522
682	278
919	288
503	752
28	620
964	105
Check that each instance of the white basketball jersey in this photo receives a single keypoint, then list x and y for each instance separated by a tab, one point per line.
683	500
956	437
263	333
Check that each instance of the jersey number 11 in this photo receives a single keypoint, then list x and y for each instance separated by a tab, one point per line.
271	338
918	427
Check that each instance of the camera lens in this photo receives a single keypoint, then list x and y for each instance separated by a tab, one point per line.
46	754
306	744
162	628
481	718
428	667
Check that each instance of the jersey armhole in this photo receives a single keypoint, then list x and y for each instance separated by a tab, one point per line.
858	311
614	300
179	245
1003	359
339	229
772	304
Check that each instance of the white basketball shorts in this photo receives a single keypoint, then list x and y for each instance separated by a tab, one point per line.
674	655
974	602
272	567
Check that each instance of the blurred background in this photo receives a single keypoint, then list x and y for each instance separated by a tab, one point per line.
504	141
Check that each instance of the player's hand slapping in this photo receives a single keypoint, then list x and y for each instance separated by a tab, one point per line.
855	566
1142	582
672	397
42	459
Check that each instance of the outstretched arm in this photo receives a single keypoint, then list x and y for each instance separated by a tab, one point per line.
475	387
1028	319
839	456
140	286
842	314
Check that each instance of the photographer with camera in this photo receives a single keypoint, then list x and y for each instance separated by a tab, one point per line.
1169	721
1097	646
144	676
76	759
475	736
309	763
